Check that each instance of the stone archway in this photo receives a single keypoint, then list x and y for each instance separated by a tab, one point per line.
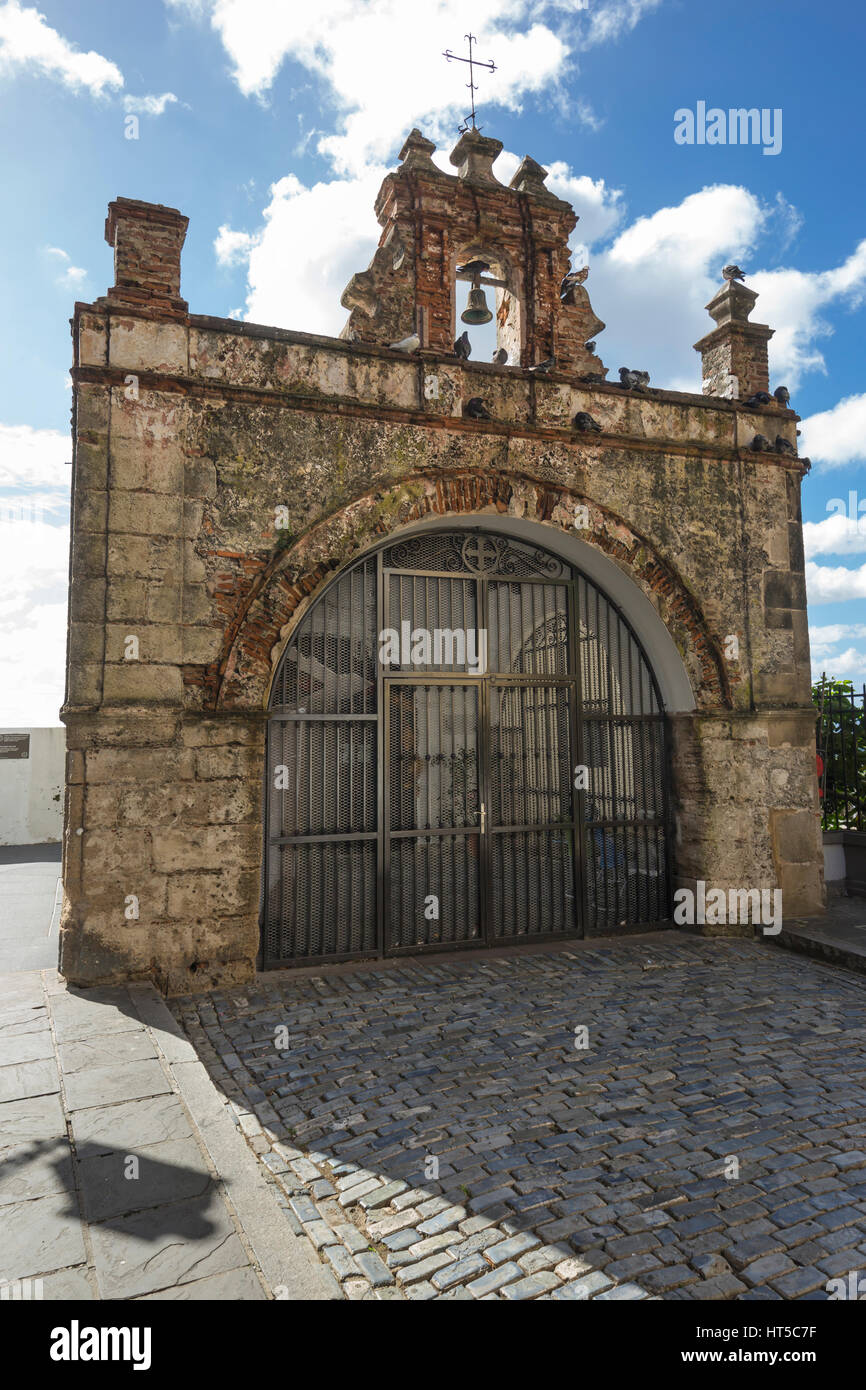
282	590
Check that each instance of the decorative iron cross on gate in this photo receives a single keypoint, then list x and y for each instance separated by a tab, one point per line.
480	553
473	63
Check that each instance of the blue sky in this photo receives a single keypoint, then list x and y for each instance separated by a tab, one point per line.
271	124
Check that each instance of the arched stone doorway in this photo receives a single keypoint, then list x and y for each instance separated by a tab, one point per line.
466	746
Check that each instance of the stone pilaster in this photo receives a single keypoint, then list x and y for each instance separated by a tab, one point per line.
734	354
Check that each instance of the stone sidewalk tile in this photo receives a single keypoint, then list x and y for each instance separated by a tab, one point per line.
141	1176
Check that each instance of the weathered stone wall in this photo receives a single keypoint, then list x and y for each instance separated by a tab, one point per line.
195	437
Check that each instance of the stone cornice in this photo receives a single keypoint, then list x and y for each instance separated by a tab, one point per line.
196	388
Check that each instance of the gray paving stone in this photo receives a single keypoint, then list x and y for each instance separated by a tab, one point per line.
424	1269
35	1121
68	1285
25	1080
130	1125
446	1220
531	1286
622	1293
39	1237
165	1246
586	1287
98	1086
761	1271
501	1251
162	1173
29	1171
235	1285
495	1279
372	1267
459	1272
350	1196
106	1051
35	1046
341	1262
383	1196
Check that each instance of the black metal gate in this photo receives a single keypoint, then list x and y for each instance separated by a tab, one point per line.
466	746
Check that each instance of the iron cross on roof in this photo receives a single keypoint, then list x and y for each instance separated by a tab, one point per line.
473	63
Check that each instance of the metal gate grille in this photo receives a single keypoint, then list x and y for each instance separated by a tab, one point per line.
437	792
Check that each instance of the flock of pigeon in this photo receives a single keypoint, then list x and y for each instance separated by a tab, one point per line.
629	378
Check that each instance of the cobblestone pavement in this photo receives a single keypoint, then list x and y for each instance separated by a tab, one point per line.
709	1142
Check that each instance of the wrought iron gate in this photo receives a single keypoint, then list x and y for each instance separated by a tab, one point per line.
495	771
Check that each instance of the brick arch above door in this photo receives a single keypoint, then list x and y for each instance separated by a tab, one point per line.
277	596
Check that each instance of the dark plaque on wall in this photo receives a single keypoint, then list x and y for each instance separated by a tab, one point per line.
14	745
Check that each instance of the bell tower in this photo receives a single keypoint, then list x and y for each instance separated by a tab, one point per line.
433	222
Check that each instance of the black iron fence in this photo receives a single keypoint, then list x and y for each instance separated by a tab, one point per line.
841	754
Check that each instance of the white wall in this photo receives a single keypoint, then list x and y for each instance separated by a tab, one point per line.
31	789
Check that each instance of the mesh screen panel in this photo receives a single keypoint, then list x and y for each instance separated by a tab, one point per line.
530	754
324	900
532	883
446	869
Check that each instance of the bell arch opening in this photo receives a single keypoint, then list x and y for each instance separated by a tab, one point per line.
486	305
466	747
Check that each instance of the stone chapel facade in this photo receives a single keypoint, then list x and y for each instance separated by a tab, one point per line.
252	780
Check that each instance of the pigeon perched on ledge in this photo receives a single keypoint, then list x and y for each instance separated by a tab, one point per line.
590	347
410	344
784	446
733	272
761	445
782	395
473	268
759	398
463	347
573	278
500	357
475	409
584	422
631	380
546	366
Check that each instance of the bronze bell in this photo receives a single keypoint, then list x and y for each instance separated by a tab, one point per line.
476	310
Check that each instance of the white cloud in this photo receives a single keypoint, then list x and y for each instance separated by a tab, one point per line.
662	270
834	583
34	458
312	242
149	105
615	17
384	75
791	302
70	276
233	248
34	561
29	44
836	436
836	535
831	634
849	665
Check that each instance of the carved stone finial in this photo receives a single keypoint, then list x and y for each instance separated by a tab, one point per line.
732	303
417	150
473	157
529	178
